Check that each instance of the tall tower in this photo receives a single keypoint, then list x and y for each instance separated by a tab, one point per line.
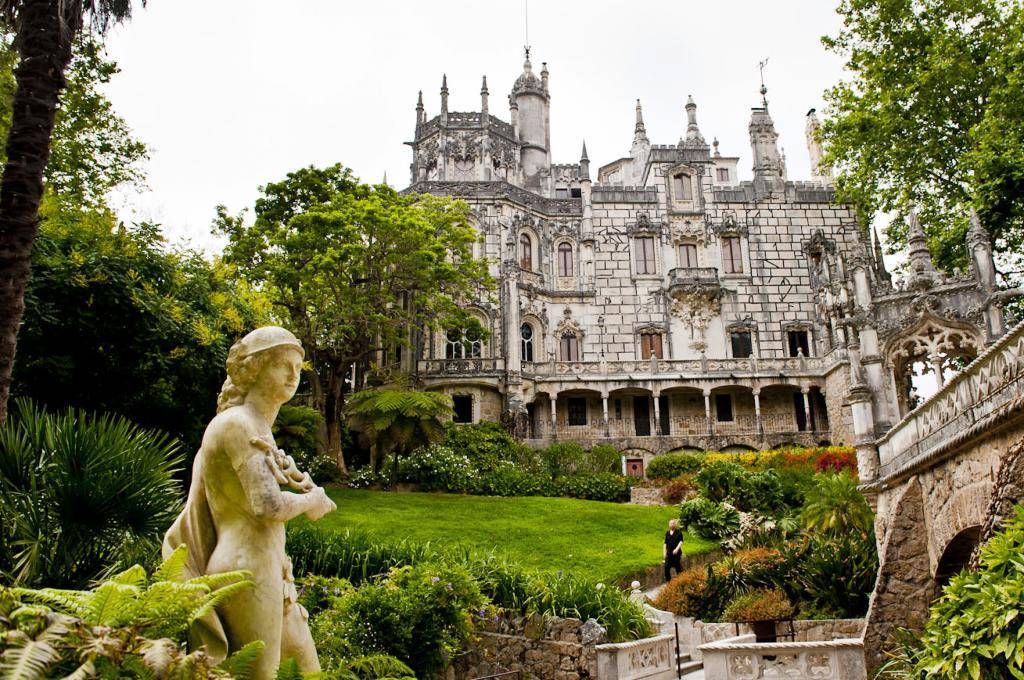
531	101
764	144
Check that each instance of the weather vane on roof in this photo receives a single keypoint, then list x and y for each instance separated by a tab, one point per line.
526	28
764	90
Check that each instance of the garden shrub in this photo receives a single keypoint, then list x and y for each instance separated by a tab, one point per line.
365	477
721	480
834	574
419	614
603	486
673	465
438	468
680	489
835	506
758	605
488	445
759	492
98	490
753	568
562	458
509	480
837	459
709	519
602	458
696	592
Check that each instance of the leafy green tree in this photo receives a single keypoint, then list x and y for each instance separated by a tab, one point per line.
834	506
45	33
117	321
930	118
398	421
356	272
80	494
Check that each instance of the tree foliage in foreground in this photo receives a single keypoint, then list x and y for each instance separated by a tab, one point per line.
357	272
116	320
931	118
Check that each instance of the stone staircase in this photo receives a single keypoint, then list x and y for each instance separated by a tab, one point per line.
690	669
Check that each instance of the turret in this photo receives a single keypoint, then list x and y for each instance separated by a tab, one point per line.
641	149
819	171
444	99
483	101
530	101
693	136
763	142
584	164
421	116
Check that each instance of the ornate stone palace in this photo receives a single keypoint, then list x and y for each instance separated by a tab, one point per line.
670	304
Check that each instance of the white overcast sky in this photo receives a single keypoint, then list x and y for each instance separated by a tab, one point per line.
230	94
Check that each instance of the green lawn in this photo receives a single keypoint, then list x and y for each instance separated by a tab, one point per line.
600	541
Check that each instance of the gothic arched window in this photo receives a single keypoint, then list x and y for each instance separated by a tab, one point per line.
526	334
564	259
463	343
525	252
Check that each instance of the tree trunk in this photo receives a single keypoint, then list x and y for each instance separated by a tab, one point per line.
44	44
333	415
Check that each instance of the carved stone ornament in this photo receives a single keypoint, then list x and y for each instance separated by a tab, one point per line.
696	304
644	226
689	231
463	147
728	224
568	325
244	489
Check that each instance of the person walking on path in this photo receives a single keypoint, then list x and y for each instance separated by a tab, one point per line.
672	551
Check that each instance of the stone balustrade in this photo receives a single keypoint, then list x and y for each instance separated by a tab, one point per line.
741	658
986	391
695	425
468	366
652	658
675	369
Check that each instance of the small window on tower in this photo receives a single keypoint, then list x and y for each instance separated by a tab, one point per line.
650	345
575	192
681	188
723	174
688	255
561	192
732	255
798	343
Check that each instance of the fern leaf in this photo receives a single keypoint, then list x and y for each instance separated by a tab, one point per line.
173	568
240	665
28	659
218	597
132	576
216	581
288	670
72	602
375	666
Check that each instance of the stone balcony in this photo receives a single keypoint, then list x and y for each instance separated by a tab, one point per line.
694	425
680	368
689	276
473	366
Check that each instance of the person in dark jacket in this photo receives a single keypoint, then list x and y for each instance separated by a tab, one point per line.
672	551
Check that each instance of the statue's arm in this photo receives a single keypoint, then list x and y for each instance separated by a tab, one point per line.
261	488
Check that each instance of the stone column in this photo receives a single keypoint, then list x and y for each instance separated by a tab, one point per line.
554	416
757	412
657	413
809	426
604	411
707	413
936	362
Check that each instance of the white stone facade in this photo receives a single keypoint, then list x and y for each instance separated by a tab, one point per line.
670	304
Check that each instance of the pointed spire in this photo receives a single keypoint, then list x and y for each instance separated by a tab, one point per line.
483	99
544	75
444	93
421	117
764	144
693	135
977	235
819	171
584	164
640	130
921	266
881	273
385	180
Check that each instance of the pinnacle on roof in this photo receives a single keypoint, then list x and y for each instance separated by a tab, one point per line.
639	131
693	135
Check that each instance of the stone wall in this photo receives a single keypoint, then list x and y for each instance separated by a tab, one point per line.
804	631
541	648
646	495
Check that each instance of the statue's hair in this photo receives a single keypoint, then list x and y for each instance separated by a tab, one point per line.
243	369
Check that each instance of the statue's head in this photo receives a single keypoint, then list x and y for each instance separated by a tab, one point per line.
269	357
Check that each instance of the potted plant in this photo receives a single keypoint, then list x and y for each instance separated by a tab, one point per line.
760	609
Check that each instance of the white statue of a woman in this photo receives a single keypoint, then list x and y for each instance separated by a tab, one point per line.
236	510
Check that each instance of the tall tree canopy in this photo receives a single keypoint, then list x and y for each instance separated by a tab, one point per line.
117	321
356	271
931	118
45	31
